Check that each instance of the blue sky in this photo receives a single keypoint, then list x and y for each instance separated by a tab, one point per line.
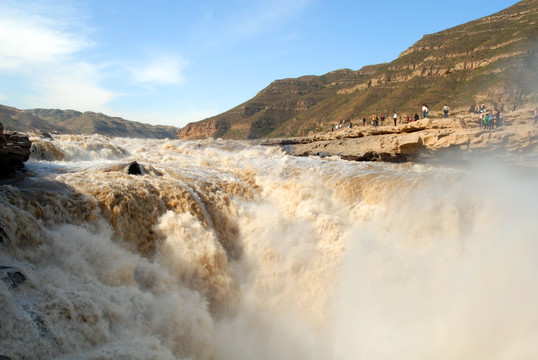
171	62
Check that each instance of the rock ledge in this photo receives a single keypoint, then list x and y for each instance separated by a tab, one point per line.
423	140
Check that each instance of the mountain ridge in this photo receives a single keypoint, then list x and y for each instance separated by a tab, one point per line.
76	122
490	60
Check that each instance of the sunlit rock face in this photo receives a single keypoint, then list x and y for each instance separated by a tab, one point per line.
460	136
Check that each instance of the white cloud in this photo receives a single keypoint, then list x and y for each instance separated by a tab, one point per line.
40	46
45	50
162	70
28	39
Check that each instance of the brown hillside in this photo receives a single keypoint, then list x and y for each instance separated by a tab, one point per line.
491	60
76	122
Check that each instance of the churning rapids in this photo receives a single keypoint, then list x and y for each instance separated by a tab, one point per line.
229	251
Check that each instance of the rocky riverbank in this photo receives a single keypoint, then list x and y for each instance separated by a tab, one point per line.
424	140
14	152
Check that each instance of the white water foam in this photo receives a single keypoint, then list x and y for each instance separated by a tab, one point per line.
231	251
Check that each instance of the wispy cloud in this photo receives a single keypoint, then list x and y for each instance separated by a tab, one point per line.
43	50
266	15
30	38
161	70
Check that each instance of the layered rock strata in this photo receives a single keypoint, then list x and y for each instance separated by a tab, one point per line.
422	140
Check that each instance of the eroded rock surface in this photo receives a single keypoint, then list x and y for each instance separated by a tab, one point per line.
14	152
423	139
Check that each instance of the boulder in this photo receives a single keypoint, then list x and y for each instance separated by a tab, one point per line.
11	276
3	140
14	152
133	168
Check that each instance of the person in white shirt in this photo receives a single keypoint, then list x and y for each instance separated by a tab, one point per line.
424	111
446	109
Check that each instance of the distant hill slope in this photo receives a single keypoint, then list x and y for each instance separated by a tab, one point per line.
18	120
75	122
491	60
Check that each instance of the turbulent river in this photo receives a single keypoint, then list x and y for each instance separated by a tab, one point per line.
224	250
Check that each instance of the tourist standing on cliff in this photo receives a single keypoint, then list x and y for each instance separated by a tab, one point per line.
363	121
424	111
395	117
491	120
446	109
481	119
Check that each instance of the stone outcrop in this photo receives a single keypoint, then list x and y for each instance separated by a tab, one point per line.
133	168
12	276
14	152
202	130
422	140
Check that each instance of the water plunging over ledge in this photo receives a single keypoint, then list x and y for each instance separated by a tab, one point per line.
225	250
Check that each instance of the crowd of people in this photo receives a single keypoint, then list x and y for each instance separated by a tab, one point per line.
489	119
379	120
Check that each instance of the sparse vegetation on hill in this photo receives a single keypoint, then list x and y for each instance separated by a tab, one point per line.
491	60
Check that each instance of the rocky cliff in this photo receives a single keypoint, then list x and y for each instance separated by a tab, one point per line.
490	60
424	140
